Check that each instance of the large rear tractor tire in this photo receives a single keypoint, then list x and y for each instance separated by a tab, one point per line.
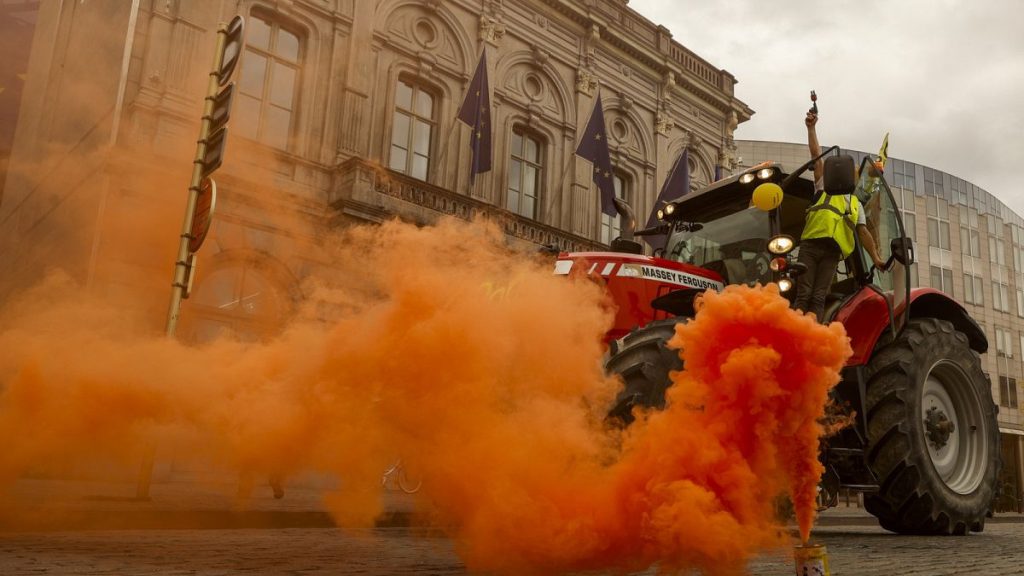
933	436
643	359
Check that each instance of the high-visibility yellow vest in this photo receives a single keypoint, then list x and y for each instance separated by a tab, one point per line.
831	217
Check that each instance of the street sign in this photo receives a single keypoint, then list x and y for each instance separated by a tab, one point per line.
221	112
214	156
206	201
209	156
232	49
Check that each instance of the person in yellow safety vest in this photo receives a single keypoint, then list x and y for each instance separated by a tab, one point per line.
828	235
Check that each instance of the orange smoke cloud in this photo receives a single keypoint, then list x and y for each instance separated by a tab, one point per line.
693	485
478	367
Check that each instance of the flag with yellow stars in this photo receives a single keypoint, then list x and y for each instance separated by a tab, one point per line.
594	147
476	113
676	184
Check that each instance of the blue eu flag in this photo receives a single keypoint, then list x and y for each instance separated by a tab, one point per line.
476	113
676	184
594	147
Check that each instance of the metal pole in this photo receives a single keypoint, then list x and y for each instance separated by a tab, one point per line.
181	265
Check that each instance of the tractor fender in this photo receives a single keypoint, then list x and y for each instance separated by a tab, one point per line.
866	317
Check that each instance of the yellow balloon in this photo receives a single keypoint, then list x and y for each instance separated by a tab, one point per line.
767	196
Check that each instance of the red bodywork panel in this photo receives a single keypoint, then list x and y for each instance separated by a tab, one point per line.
866	315
633	281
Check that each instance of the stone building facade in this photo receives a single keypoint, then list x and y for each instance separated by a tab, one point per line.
344	113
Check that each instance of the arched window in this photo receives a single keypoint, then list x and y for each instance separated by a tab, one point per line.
239	299
265	105
525	172
412	129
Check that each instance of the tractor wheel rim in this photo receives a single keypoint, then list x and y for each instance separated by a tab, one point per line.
953	426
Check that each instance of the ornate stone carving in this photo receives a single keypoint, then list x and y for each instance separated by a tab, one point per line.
663	124
625	101
695	142
727	157
427	62
730	124
492	29
586	81
540	56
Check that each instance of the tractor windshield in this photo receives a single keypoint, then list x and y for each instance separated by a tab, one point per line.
733	245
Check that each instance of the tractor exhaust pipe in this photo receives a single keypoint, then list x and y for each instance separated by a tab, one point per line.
627	218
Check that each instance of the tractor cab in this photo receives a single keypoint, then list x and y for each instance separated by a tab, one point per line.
722	229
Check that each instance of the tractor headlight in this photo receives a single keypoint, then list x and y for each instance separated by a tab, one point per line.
785	284
661	214
780	245
747	178
670	209
765	173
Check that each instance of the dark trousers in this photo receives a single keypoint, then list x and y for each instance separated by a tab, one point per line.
821	256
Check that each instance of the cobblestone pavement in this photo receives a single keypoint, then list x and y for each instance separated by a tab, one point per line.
853	551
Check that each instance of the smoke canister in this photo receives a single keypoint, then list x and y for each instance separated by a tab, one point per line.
811	560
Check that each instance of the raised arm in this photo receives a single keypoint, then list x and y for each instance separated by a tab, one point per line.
813	146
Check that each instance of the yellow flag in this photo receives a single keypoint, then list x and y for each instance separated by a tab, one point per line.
883	152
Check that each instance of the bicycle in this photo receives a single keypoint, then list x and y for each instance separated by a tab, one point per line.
397	475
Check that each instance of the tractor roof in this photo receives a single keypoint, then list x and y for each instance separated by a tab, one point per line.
725	194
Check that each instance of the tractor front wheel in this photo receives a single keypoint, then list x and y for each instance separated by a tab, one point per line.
933	436
643	359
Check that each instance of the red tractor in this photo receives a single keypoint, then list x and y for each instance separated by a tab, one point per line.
924	446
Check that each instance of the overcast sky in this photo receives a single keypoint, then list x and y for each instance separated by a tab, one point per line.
944	77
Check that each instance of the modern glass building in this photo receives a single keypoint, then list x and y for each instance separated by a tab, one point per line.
971	246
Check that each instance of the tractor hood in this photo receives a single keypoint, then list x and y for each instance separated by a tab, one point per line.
634	281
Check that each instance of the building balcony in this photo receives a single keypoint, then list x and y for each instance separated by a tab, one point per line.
367	191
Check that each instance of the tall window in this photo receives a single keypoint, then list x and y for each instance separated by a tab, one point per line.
974	292
942	278
1007	392
933	182
412	129
1004	343
938	223
1016	243
996	247
525	173
903	174
1000	296
265	105
611	226
905	200
970	237
959	190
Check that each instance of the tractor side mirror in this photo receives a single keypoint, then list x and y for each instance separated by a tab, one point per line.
903	250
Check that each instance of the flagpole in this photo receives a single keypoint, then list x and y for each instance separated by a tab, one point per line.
477	102
561	181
